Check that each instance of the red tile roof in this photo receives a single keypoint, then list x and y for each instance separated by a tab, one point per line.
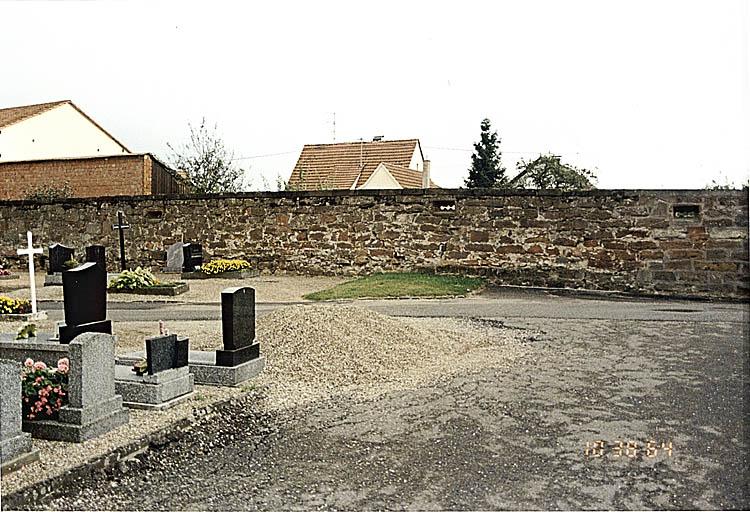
339	166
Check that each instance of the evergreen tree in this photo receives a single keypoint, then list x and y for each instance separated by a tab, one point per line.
486	169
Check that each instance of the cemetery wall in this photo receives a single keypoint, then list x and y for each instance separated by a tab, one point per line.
677	242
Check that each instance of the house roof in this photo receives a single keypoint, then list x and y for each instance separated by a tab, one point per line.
407	178
348	165
13	115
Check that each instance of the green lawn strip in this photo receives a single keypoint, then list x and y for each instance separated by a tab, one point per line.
399	285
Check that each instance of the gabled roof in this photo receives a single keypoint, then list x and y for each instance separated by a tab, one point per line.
13	115
407	178
348	165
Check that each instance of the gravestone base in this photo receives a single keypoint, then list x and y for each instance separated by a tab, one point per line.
159	391
238	356
203	366
69	332
54	279
20	461
78	425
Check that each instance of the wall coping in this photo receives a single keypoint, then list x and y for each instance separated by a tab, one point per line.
434	192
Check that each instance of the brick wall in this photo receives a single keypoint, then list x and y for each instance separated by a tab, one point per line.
127	175
664	242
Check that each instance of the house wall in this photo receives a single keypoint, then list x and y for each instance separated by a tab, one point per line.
88	177
381	179
417	162
62	132
627	240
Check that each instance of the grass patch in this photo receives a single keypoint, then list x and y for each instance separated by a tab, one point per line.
399	285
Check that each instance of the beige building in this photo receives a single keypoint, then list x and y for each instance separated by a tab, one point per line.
53	130
380	164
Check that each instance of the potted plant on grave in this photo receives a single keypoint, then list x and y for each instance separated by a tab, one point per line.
225	268
142	281
71	263
44	389
6	274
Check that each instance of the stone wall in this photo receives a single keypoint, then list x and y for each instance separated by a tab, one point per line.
682	242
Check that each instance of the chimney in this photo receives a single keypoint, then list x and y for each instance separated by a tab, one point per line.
426	174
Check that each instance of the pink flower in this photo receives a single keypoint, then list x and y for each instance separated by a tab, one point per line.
38	380
63	365
39	365
29	362
31	416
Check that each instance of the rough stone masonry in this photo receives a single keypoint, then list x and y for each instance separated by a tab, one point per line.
676	242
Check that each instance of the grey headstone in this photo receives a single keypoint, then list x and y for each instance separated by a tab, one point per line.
175	257
13	441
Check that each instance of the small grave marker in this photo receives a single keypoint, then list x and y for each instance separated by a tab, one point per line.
120	226
30	251
58	255
192	257
97	254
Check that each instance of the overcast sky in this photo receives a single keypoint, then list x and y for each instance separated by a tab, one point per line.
651	94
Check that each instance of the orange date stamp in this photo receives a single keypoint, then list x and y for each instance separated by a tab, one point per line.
627	449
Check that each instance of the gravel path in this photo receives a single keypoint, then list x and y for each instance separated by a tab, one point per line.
268	288
312	352
486	437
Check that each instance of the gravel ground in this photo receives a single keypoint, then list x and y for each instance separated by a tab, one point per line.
492	438
268	288
313	352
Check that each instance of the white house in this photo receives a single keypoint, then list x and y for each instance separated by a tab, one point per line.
51	131
380	164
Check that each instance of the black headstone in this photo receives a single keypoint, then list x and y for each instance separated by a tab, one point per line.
165	352
58	255
192	257
96	253
238	327
85	301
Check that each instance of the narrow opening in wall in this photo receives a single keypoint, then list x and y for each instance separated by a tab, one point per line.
687	211
154	214
444	206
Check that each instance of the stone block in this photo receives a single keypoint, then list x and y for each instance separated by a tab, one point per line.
15	445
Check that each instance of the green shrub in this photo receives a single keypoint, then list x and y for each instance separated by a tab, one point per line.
133	280
214	267
71	263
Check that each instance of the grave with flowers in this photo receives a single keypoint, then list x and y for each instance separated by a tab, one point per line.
6	274
69	380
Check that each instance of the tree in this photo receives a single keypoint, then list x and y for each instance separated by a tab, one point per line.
207	162
547	172
486	169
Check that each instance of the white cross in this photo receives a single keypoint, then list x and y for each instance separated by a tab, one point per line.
30	252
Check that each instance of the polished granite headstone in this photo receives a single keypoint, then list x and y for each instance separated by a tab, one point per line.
97	254
167	381
192	257
85	301
58	255
237	327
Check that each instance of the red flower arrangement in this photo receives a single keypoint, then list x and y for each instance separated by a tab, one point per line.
44	389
